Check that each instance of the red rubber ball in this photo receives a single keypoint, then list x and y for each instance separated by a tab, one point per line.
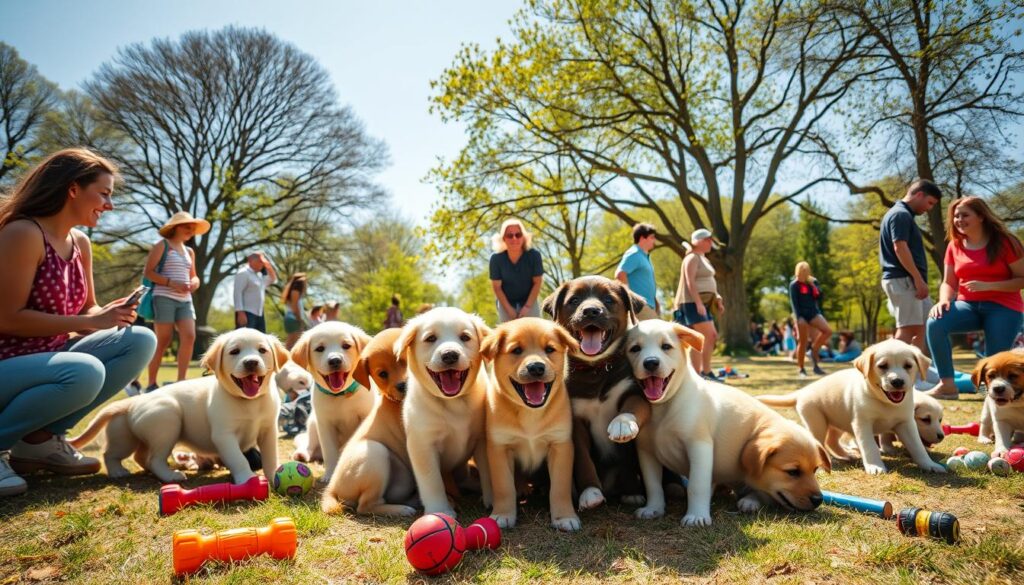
1015	457
434	544
483	533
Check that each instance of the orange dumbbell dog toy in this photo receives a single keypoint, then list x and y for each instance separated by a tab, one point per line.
191	548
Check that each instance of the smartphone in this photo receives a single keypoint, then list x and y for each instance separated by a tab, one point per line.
135	296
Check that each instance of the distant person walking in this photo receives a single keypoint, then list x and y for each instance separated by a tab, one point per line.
251	282
517	271
811	326
636	271
171	266
394	318
295	319
904	263
697	297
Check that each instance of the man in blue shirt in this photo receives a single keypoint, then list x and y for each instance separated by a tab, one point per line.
904	262
636	271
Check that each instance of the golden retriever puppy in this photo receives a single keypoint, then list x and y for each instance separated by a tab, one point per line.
1003	412
529	418
445	404
293	379
714	434
374	475
329	352
215	416
869	399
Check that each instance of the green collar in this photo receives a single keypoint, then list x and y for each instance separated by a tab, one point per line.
346	392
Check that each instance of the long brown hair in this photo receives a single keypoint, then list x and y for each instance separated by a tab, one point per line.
998	235
296	282
43	191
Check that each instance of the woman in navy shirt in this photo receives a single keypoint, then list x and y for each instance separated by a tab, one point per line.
805	299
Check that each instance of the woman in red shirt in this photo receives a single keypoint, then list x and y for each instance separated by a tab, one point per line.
980	289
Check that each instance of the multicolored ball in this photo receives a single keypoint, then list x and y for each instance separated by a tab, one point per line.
976	460
955	464
999	466
293	479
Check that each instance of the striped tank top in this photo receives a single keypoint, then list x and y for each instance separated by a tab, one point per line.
178	268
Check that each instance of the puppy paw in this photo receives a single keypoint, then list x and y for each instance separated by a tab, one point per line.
1000	453
300	455
890	450
447	511
567	524
591	498
984	440
623	428
696	520
634	500
875	469
118	473
933	467
749	504
404	511
504	520
649	512
174	477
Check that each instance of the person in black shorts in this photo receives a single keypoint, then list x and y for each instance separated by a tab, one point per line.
812	328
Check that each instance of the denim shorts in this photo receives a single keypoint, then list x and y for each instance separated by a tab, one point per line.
293	324
689	315
168	310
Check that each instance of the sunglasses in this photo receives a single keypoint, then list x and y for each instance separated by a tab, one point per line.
513	236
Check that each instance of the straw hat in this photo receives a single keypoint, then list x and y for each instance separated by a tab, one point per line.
182	218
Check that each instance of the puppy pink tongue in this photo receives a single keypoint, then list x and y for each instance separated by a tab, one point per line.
251	385
654	387
336	379
534	393
451	382
591	341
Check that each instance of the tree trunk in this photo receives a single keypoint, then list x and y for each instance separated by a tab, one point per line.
734	325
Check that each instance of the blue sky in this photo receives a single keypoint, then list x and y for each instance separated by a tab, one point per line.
381	56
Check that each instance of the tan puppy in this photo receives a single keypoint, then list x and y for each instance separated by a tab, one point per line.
445	405
215	416
928	417
1003	413
529	418
714	434
374	475
329	352
867	400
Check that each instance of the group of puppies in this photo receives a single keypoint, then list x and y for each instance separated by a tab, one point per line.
610	403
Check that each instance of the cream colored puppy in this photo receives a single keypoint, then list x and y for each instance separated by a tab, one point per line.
330	352
867	400
714	434
215	416
928	417
445	404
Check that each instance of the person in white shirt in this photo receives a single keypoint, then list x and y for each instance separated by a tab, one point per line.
250	291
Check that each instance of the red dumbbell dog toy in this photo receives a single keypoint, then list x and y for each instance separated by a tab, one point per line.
173	497
435	543
971	429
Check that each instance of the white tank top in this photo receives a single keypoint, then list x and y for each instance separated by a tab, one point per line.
177	268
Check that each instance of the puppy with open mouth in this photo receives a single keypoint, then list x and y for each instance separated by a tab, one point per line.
1003	412
714	434
445	404
218	416
870	399
330	352
529	419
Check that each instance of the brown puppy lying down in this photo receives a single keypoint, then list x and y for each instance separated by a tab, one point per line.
528	415
1003	413
373	474
714	434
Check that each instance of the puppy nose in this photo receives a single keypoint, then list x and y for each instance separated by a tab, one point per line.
450	357
334	362
592	312
897	382
998	388
815	500
940	436
536	369
651	364
400	386
251	363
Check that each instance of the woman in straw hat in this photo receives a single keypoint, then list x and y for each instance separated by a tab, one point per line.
172	268
697	298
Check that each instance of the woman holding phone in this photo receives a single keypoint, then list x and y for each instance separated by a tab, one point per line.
51	379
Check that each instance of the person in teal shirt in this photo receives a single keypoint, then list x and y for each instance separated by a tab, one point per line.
636	271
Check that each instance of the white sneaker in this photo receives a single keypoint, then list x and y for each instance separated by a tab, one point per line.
54	454
11	484
133	388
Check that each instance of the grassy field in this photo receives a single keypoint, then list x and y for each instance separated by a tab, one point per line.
95	530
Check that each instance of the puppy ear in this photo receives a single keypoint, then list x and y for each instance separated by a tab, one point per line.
553	302
978	375
211	359
361	338
823	459
490	345
864	362
300	352
755	455
406	339
361	373
689	337
922	363
281	354
482	330
567	341
634	302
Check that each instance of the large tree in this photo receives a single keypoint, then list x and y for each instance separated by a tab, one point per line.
240	128
700	102
25	98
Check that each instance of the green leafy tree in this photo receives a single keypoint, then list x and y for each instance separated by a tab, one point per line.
25	99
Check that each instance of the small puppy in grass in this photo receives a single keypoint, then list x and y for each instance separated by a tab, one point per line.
928	417
445	403
1002	415
330	352
529	418
867	400
714	434
374	475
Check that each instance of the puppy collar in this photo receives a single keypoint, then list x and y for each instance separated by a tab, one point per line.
346	392
577	365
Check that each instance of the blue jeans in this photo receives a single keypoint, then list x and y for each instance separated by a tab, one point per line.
1001	325
55	390
253	321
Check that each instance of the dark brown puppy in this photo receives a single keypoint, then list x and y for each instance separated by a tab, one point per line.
608	405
